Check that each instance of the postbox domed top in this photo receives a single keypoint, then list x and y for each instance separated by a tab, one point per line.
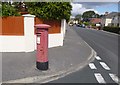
42	26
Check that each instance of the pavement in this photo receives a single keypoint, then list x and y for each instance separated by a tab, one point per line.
74	55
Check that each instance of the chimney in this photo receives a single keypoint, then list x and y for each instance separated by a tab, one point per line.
106	13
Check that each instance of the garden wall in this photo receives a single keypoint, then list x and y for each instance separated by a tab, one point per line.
18	34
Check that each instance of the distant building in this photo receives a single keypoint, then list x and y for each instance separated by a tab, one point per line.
111	19
73	21
106	13
116	20
95	20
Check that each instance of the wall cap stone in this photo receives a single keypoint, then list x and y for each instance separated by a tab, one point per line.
28	15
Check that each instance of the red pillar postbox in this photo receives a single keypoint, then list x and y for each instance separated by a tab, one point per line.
42	46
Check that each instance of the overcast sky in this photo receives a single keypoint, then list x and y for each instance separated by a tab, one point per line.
98	7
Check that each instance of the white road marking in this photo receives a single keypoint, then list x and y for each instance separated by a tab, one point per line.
104	66
98	58
99	78
92	66
114	77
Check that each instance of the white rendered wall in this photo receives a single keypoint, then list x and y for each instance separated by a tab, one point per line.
27	43
29	32
23	43
63	27
12	44
56	39
108	21
103	22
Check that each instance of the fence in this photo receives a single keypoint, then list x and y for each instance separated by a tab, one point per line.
55	25
15	25
12	26
18	33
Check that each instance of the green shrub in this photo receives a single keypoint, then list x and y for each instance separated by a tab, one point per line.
0	10
92	24
86	23
9	10
112	29
50	10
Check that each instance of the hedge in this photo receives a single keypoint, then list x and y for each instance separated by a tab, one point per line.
112	29
44	10
50	10
8	10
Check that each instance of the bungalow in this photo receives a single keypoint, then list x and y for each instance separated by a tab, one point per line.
112	19
95	20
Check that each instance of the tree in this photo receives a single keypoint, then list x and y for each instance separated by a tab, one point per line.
0	9
88	14
97	16
50	10
102	15
78	17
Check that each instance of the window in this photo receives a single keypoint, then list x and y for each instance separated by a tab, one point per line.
117	24
112	24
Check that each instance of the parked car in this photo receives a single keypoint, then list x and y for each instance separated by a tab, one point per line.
78	25
71	24
83	25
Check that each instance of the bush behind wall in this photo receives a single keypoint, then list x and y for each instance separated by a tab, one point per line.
8	10
112	29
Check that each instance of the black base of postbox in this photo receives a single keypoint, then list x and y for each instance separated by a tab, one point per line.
42	65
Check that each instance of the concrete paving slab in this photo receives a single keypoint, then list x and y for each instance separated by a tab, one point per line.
73	56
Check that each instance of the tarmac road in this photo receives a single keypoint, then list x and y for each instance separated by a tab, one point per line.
105	67
105	44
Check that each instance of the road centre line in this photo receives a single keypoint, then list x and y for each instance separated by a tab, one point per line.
98	58
92	66
104	66
99	78
114	77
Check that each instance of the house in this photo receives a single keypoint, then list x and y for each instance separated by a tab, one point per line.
95	20
71	21
111	19
116	20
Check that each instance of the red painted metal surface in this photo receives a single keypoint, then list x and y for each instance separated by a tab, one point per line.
42	42
43	26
